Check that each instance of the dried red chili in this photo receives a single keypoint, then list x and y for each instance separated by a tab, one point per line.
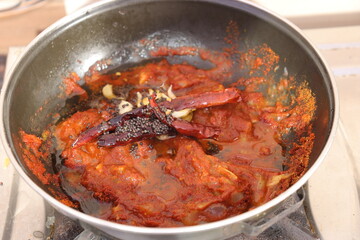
225	158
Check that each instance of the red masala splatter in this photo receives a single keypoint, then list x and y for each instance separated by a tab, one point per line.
34	157
186	181
260	60
72	88
165	51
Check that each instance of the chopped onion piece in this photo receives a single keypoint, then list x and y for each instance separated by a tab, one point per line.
276	179
227	173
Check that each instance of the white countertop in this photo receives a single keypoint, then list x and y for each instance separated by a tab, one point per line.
316	13
334	189
292	8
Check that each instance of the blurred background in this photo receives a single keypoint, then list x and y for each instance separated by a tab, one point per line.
22	20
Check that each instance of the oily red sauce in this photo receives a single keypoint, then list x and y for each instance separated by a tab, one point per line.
185	181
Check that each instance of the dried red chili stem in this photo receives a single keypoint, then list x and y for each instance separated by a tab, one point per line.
203	100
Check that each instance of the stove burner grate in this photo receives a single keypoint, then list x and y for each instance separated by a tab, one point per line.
289	220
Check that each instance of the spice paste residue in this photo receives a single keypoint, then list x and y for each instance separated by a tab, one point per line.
166	145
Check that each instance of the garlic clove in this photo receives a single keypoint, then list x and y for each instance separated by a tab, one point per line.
107	91
182	113
163	137
145	101
170	93
138	100
125	106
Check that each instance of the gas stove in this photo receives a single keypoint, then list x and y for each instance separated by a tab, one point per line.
291	220
327	207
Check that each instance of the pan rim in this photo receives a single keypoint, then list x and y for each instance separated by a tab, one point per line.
178	230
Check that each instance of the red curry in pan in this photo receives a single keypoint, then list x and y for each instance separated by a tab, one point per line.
166	145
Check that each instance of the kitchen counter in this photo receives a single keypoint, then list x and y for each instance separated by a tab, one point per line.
334	189
20	28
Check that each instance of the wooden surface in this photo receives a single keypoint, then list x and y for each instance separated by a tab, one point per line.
19	29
